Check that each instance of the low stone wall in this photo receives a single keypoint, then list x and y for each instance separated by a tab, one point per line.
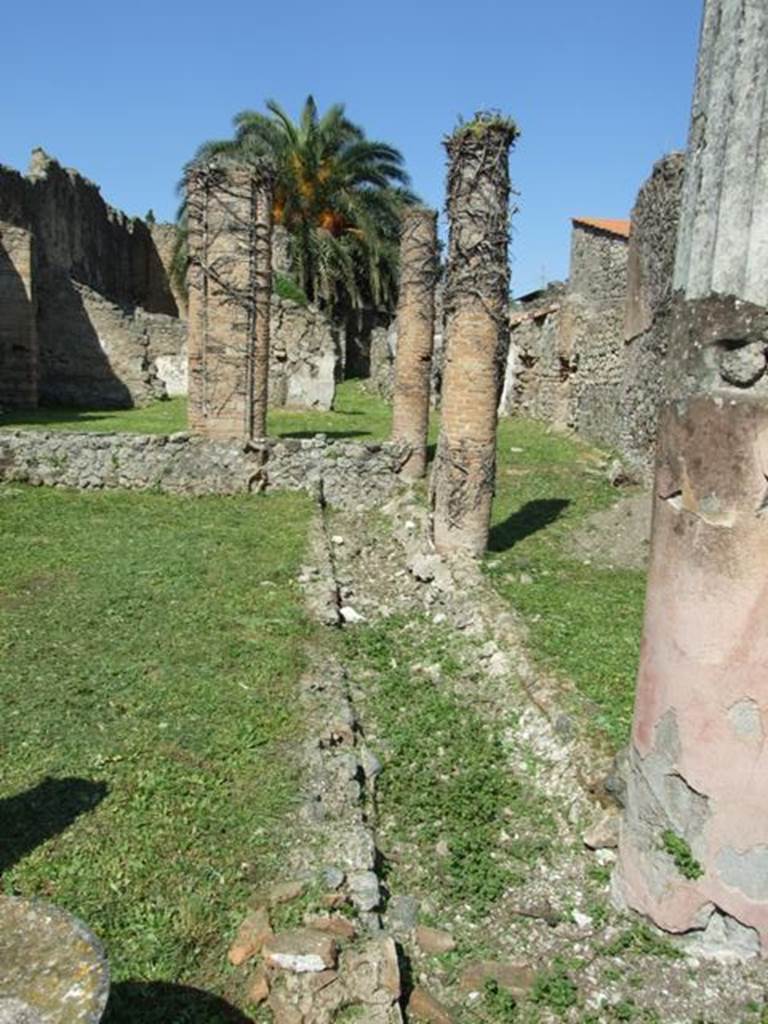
343	474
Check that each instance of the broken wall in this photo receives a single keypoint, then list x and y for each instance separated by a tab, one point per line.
594	358
591	331
536	380
87	256
565	358
305	356
649	314
18	333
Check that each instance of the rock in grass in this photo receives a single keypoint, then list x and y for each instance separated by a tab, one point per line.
514	977
604	835
284	892
349	614
364	889
251	936
340	927
258	986
301	950
434	941
423	1006
402	913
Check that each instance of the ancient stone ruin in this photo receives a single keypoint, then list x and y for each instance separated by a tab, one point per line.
87	307
590	355
694	841
650	299
565	356
91	315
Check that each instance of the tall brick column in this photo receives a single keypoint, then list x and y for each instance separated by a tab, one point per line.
229	274
693	852
476	333
415	336
18	334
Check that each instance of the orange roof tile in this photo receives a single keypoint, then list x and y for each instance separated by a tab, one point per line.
613	227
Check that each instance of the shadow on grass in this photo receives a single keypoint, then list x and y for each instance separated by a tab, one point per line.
532	517
34	816
53	414
159	1002
303	434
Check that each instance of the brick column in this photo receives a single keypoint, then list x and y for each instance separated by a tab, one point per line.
225	284
415	336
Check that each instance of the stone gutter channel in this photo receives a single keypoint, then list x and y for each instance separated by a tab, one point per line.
342	955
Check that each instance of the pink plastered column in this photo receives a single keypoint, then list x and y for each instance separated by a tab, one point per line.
698	763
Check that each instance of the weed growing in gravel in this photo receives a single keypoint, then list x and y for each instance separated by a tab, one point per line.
348	1014
445	777
555	989
584	621
499	1006
640	938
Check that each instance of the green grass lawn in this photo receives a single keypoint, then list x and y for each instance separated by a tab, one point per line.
150	648
165	417
584	621
444	776
358	414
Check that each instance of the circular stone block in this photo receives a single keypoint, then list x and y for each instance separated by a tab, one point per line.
53	970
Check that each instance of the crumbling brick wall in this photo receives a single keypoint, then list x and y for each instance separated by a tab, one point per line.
591	329
648	314
85	253
598	268
538	370
594	358
18	333
565	359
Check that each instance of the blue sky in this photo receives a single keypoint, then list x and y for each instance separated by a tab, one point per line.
126	91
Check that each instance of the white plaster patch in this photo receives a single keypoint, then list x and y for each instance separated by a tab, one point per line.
724	939
746	720
297	962
745	870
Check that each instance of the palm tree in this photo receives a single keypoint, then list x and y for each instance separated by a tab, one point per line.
338	194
